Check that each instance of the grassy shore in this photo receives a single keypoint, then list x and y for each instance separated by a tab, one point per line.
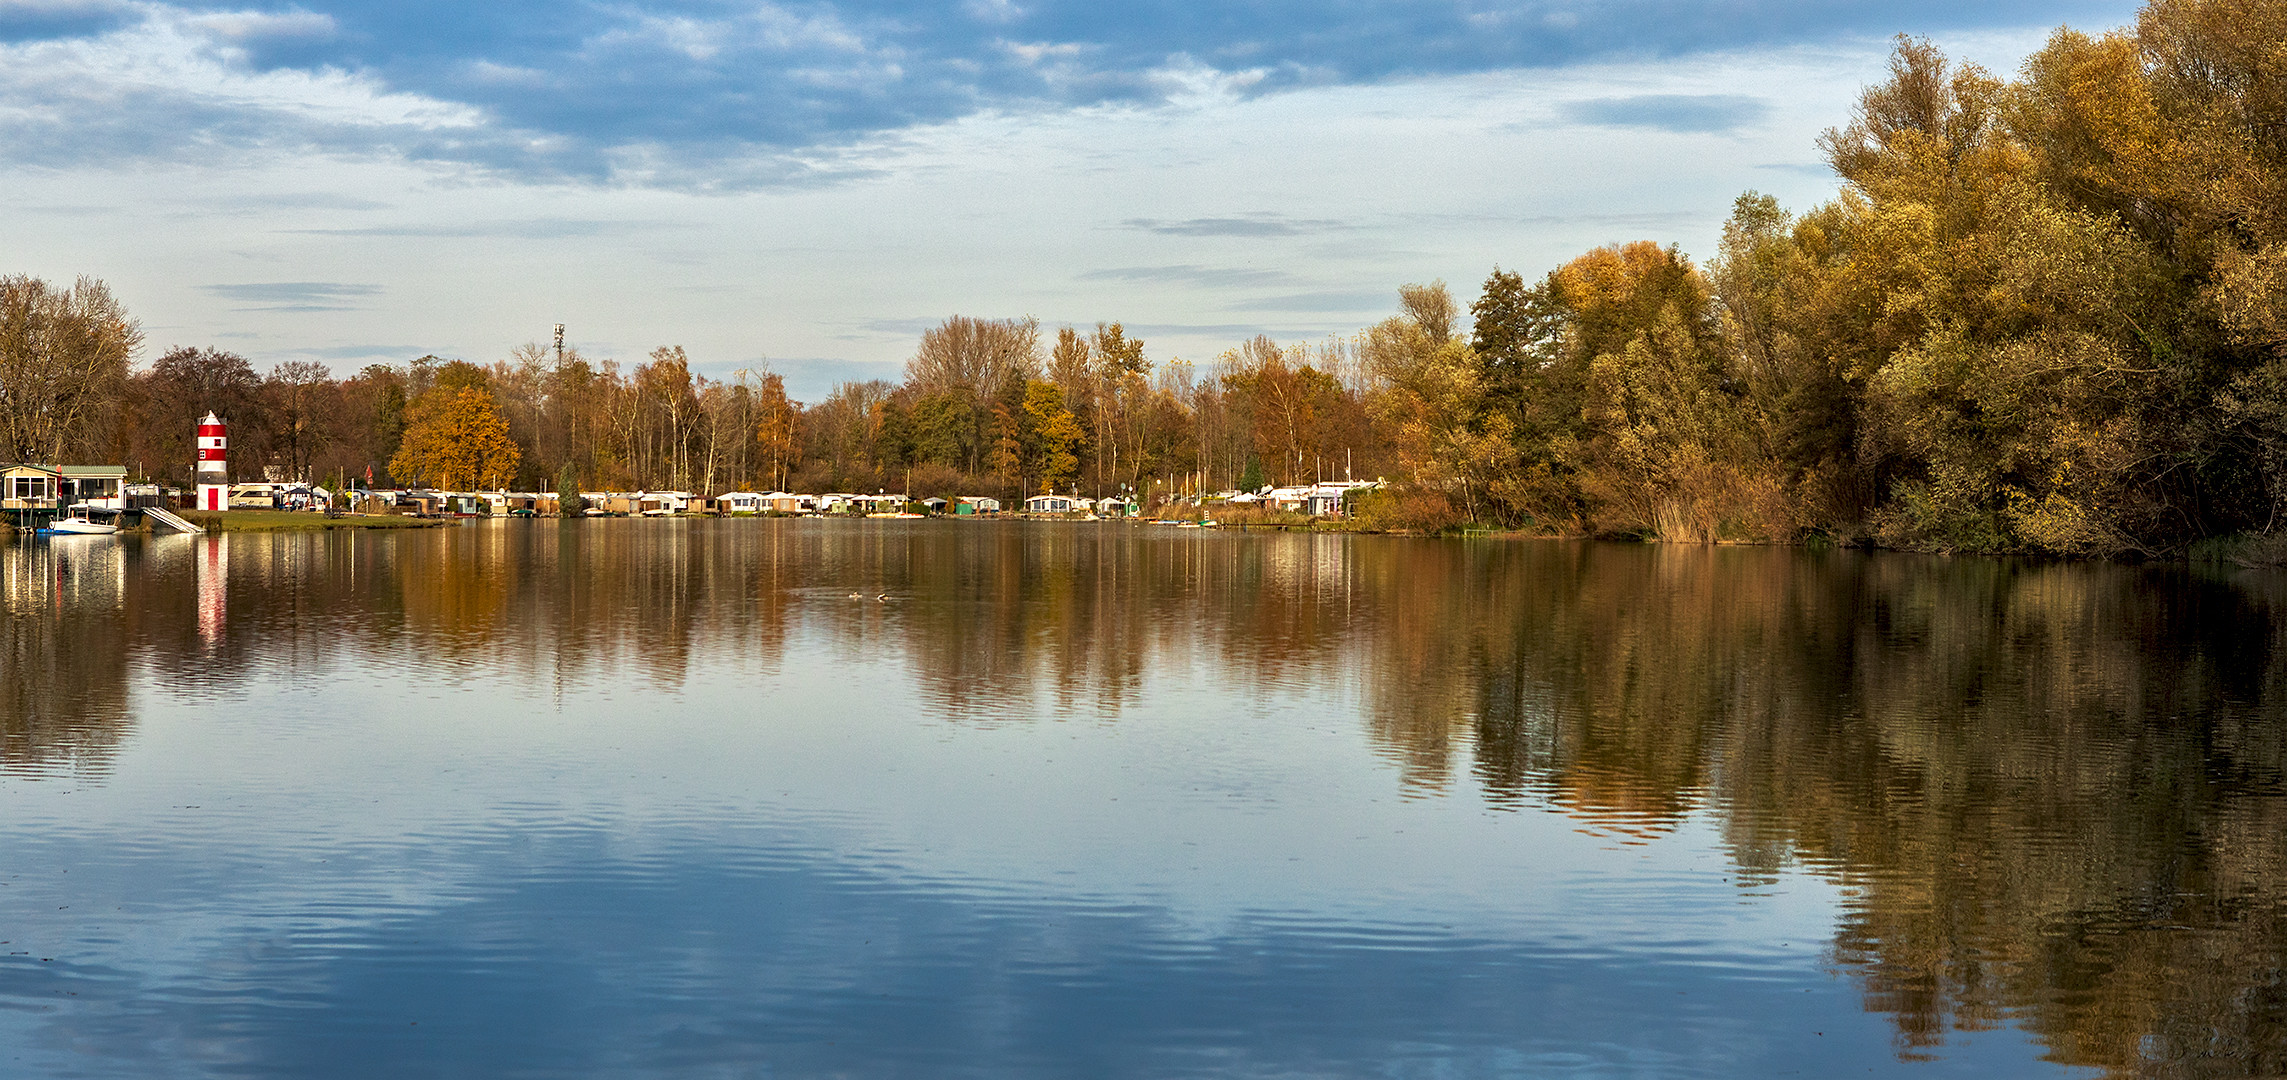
286	521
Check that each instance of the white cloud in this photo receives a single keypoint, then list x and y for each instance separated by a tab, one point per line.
238	27
763	27
55	8
1035	52
160	86
993	11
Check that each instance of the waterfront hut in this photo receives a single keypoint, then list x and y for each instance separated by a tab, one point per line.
31	486
662	503
1050	504
740	503
468	504
96	485
28	487
933	505
976	504
1326	500
1288	499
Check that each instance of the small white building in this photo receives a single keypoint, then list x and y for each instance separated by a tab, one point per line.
1290	499
1325	500
1050	504
662	503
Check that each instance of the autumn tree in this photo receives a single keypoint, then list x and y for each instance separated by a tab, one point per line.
974	362
304	400
63	366
1449	438
778	430
1007	459
1056	432
457	440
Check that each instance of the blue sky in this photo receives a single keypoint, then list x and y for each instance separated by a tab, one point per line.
805	185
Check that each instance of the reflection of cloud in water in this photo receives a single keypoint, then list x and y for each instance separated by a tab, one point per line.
2052	790
810	964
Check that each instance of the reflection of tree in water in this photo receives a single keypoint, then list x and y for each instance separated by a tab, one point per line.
63	654
999	617
995	618
2054	791
2056	794
563	605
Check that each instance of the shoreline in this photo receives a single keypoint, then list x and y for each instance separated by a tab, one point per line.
223	521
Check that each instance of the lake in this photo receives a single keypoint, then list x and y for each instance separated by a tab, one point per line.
790	798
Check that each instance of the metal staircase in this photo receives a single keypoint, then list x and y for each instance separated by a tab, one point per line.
170	519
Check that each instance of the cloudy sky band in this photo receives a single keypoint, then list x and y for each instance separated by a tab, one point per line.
794	180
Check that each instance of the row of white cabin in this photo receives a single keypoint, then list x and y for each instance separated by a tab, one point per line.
25	486
834	502
1316	500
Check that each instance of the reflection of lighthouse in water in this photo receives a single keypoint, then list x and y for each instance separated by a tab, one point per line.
214	581
213	464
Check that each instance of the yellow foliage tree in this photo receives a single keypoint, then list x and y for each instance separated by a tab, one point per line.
1058	432
779	430
457	440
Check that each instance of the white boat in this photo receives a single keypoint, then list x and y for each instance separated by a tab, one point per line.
80	526
81	521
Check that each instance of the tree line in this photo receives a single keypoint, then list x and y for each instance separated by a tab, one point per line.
2046	313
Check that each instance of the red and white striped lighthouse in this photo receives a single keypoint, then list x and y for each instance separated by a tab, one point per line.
214	464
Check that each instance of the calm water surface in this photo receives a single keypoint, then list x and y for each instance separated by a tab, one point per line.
656	798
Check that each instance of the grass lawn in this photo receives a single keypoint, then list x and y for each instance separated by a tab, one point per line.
288	521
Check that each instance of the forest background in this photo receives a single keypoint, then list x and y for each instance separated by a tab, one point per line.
2043	314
